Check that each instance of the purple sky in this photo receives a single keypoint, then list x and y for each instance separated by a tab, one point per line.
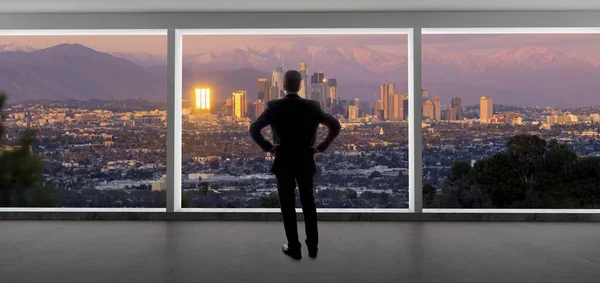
586	44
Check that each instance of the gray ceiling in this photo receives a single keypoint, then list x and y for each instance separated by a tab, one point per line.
115	6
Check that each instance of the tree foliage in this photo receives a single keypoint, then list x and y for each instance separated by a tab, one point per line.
531	173
269	202
21	170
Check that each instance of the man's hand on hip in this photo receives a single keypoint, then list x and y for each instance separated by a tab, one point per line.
274	148
315	149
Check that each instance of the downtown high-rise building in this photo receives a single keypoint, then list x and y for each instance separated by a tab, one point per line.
238	103
332	96
405	107
425	94
317	78
305	88
396	107
324	94
437	108
451	114
264	89
400	107
320	90
202	99
486	109
228	107
376	107
352	112
386	93
332	82
273	93
277	81
379	115
457	104
428	110
259	107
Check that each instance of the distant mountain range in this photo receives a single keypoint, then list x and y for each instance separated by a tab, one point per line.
527	76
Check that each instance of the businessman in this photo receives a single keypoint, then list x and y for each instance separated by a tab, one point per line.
294	122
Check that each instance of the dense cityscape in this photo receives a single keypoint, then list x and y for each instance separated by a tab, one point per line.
113	153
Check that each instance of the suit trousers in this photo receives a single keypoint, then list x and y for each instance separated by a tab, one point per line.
286	187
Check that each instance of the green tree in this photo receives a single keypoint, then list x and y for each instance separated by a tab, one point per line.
459	170
531	173
20	168
43	196
429	195
185	201
203	189
269	202
351	194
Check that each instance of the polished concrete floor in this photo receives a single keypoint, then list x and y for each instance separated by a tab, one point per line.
132	251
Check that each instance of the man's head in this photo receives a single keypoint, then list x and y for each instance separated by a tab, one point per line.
291	81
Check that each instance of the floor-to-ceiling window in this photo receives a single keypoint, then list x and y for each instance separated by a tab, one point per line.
511	120
361	79
84	119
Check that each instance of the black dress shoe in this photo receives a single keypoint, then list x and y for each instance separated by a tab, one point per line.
312	249
294	253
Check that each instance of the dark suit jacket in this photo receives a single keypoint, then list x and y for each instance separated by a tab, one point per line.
294	122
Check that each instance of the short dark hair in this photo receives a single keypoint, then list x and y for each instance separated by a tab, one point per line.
292	80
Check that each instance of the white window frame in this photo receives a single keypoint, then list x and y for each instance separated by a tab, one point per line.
414	81
507	31
417	23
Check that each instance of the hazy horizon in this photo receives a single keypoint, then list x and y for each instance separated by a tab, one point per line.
455	71
585	44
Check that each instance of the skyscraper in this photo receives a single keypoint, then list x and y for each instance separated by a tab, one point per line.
315	92
405	107
305	89
383	98
228	107
396	107
376	107
428	110
391	90
320	90
238	101
387	92
437	109
277	80
317	78
332	82
451	114
250	110
456	103
333	95
273	93
352	112
356	102
264	89
425	94
259	107
380	115
203	99
486	109
324	94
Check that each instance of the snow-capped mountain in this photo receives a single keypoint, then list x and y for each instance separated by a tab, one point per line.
526	76
534	58
16	48
143	59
